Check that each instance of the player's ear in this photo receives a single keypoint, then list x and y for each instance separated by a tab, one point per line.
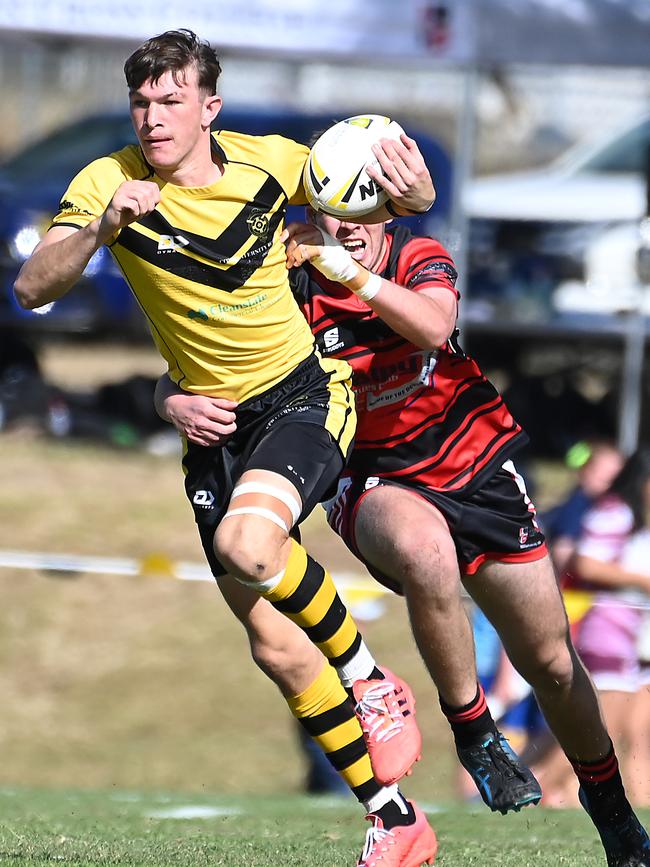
211	108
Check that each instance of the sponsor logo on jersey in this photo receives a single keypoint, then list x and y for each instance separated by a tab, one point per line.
171	243
71	208
418	363
258	223
331	340
198	314
219	312
523	535
204	499
427	362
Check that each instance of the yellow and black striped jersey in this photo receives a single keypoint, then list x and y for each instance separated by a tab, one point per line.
207	266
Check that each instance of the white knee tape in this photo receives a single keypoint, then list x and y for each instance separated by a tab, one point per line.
257	510
263	586
294	505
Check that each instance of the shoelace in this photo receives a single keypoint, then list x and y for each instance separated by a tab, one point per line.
375	711
374	837
505	767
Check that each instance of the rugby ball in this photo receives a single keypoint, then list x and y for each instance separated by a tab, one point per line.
335	177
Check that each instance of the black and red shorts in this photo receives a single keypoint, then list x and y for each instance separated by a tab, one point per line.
495	522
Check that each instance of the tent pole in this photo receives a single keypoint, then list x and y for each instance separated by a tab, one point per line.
629	407
462	172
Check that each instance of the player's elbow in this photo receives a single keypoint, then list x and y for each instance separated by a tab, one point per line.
437	335
25	294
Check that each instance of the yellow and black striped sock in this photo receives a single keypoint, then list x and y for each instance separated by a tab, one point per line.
327	715
306	594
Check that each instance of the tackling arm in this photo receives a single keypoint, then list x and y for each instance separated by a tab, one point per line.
426	318
206	421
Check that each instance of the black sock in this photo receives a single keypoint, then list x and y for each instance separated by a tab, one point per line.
603	789
399	811
471	722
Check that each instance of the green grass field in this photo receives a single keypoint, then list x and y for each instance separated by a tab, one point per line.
122	686
78	828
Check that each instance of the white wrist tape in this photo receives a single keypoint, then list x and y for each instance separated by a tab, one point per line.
372	286
335	262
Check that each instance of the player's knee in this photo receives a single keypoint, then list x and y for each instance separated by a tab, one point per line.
248	553
428	571
552	667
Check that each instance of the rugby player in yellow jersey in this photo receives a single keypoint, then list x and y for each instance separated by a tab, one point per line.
194	221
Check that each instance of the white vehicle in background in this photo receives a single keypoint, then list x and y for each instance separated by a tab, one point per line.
566	238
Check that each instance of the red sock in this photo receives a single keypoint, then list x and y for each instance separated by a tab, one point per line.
470	722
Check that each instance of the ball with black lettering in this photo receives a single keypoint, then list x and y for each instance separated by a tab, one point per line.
335	177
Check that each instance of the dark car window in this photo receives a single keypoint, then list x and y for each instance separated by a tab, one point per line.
63	153
55	160
629	154
69	149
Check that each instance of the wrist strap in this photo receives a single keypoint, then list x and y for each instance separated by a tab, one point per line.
390	207
370	288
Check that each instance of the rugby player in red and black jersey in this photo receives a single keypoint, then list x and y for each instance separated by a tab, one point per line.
431	498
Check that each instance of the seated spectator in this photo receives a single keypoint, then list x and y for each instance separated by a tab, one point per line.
598	464
612	561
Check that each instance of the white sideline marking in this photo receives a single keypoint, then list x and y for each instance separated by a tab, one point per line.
47	562
193	812
154	564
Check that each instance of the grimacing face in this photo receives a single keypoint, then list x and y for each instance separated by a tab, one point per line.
365	243
170	118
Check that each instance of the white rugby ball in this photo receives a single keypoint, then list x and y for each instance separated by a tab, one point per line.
335	177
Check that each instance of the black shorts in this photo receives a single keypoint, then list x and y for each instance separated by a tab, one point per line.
302	429
495	522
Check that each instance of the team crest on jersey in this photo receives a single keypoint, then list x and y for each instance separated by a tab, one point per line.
258	223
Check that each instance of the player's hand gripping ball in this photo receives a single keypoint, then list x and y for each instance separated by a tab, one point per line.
335	177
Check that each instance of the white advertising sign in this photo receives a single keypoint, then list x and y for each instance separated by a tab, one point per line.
363	28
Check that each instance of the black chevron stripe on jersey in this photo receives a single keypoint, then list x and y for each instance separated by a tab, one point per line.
234	236
226	278
265	199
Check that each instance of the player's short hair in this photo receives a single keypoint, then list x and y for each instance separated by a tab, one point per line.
173	51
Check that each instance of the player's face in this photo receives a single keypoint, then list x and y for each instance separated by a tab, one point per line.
365	243
600	471
172	119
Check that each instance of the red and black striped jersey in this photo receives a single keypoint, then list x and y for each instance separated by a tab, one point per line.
425	415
